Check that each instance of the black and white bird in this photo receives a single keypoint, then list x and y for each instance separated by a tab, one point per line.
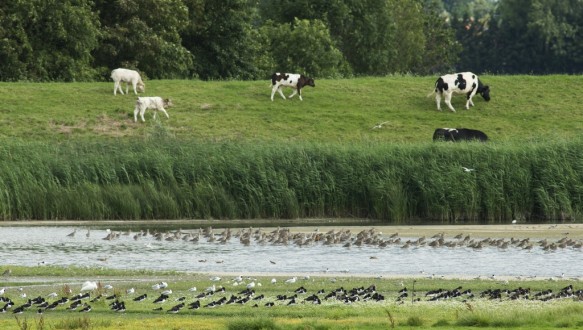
141	298
86	309
161	299
176	308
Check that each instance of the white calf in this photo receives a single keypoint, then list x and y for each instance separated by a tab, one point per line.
156	103
127	76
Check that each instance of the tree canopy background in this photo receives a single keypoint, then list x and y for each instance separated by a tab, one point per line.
83	40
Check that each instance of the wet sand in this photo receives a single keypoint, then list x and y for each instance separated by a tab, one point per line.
550	231
519	230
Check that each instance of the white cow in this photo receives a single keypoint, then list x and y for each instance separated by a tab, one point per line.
293	80
128	76
155	102
464	82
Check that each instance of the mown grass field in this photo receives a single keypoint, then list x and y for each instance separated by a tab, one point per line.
523	108
404	313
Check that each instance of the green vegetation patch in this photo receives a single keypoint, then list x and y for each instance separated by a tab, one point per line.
414	311
193	179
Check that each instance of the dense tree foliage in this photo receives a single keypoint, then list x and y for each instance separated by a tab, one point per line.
47	40
524	36
305	46
224	41
72	40
145	35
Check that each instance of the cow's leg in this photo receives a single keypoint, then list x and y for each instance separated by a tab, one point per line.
164	111
116	86
136	110
438	100
142	112
280	92
294	93
469	103
273	90
127	87
448	101
300	94
134	83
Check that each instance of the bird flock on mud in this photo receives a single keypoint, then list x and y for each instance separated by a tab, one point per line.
344	237
248	291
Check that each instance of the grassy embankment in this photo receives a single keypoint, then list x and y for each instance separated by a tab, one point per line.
523	108
228	152
452	313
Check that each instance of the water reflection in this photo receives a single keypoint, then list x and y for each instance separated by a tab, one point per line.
29	246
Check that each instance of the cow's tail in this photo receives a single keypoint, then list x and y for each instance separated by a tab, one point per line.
439	86
435	90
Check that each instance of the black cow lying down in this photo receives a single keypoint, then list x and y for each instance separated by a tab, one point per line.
459	134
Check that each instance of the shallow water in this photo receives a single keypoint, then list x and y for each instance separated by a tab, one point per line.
30	246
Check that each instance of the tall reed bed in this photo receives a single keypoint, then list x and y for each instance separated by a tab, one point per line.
183	179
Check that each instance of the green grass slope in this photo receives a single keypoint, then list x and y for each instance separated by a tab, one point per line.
522	108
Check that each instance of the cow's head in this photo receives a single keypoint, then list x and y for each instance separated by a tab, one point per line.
486	93
168	103
484	90
309	82
141	87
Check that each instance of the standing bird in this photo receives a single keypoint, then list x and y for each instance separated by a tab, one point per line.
73	233
89	286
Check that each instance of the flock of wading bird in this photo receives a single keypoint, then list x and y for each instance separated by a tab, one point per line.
248	292
344	237
296	291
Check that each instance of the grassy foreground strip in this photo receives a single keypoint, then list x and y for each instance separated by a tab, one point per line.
537	310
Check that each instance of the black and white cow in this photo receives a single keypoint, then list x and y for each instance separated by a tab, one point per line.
293	80
464	82
459	134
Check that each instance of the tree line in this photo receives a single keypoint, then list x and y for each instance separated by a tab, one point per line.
83	40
